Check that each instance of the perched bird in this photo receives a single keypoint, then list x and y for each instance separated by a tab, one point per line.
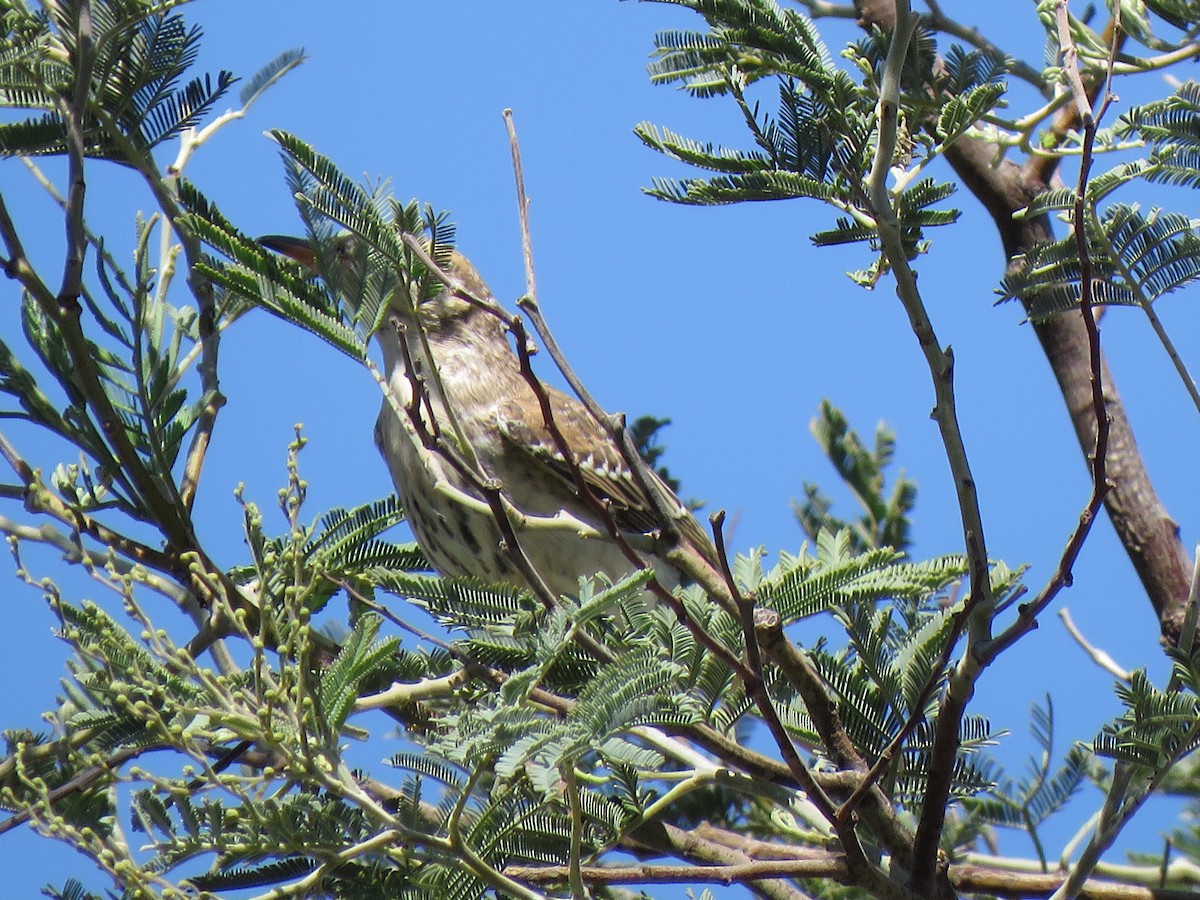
479	396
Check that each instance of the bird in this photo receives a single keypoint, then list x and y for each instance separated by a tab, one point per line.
453	374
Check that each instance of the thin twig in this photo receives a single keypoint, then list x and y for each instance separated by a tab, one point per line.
941	368
693	847
1098	656
757	689
862	870
1070	60
582	488
1063	575
916	714
797	668
939	21
522	204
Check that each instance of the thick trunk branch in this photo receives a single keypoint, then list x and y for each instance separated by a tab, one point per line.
1147	532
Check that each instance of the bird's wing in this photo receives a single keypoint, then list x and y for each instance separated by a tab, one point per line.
523	427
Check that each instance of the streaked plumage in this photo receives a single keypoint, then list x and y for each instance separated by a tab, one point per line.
480	381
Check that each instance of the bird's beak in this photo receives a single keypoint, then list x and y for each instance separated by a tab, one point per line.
299	249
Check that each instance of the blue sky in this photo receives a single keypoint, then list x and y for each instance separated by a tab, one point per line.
726	320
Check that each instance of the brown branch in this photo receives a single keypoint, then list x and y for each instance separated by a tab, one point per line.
877	809
727	594
758	848
917	715
1038	170
1148	533
939	21
80	782
862	870
83	58
1146	530
17	267
750	674
968	879
690	845
65	310
880	817
1018	885
39	499
1099	457
757	689
832	868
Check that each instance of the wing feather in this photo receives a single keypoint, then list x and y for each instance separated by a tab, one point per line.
602	466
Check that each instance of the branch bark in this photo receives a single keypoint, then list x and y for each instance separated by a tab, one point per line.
1146	530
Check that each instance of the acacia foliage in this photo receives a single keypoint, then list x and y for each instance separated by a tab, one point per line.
541	740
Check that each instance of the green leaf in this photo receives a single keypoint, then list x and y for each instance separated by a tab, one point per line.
359	656
962	111
269	75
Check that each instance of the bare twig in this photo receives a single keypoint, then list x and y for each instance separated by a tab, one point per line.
941	367
757	688
522	204
831	867
969	879
1070	58
939	21
1099	458
862	870
916	715
877	808
1098	656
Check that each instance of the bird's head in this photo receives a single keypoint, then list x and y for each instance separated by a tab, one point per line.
344	260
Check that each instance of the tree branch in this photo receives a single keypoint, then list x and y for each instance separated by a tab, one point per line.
1148	533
